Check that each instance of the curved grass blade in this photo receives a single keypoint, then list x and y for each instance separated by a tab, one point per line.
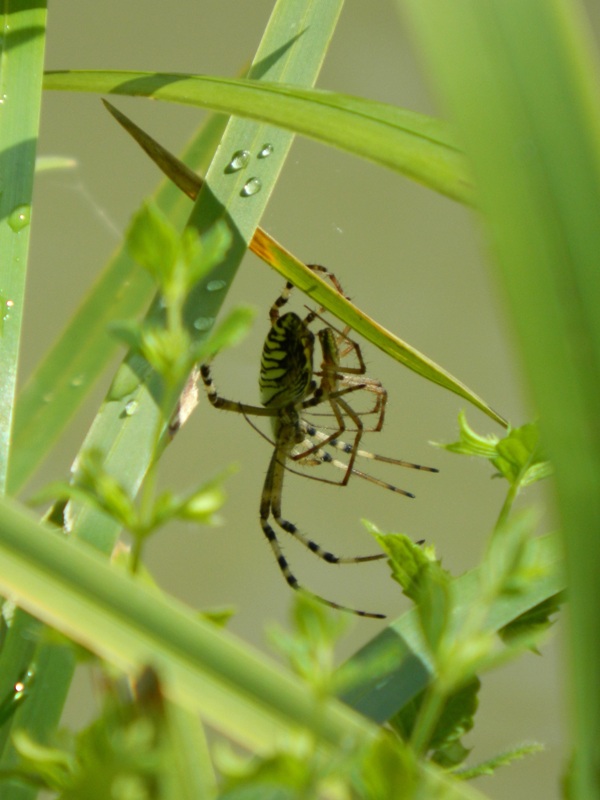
274	254
417	146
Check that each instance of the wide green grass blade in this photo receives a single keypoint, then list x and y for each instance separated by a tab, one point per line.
62	380
394	666
203	667
522	83
238	691
274	254
415	145
22	41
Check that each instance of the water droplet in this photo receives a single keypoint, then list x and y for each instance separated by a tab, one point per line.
77	381
239	160
20	218
253	186
215	286
10	303
204	323
265	151
131	407
3	98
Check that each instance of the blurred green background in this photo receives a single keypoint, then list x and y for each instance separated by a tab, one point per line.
413	260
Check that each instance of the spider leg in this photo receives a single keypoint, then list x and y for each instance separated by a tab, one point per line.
271	503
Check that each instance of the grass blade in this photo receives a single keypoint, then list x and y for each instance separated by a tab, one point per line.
522	83
22	41
202	668
237	690
413	144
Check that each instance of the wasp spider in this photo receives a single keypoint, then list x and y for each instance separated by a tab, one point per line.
288	390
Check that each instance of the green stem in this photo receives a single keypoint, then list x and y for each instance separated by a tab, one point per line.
427	719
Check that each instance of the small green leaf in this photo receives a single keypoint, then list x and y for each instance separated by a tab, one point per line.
456	719
471	443
53	766
202	253
501	760
309	647
128	333
168	350
517	456
203	504
219	615
103	490
533	622
231	331
408	561
154	242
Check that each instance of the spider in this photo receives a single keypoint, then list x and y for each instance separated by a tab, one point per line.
287	390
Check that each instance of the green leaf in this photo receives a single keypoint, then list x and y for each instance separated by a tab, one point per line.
53	766
518	456
391	669
201	254
456	720
231	331
503	759
409	561
202	505
154	242
240	692
533	622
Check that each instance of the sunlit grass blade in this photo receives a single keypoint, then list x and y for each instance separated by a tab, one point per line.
22	42
413	144
274	254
